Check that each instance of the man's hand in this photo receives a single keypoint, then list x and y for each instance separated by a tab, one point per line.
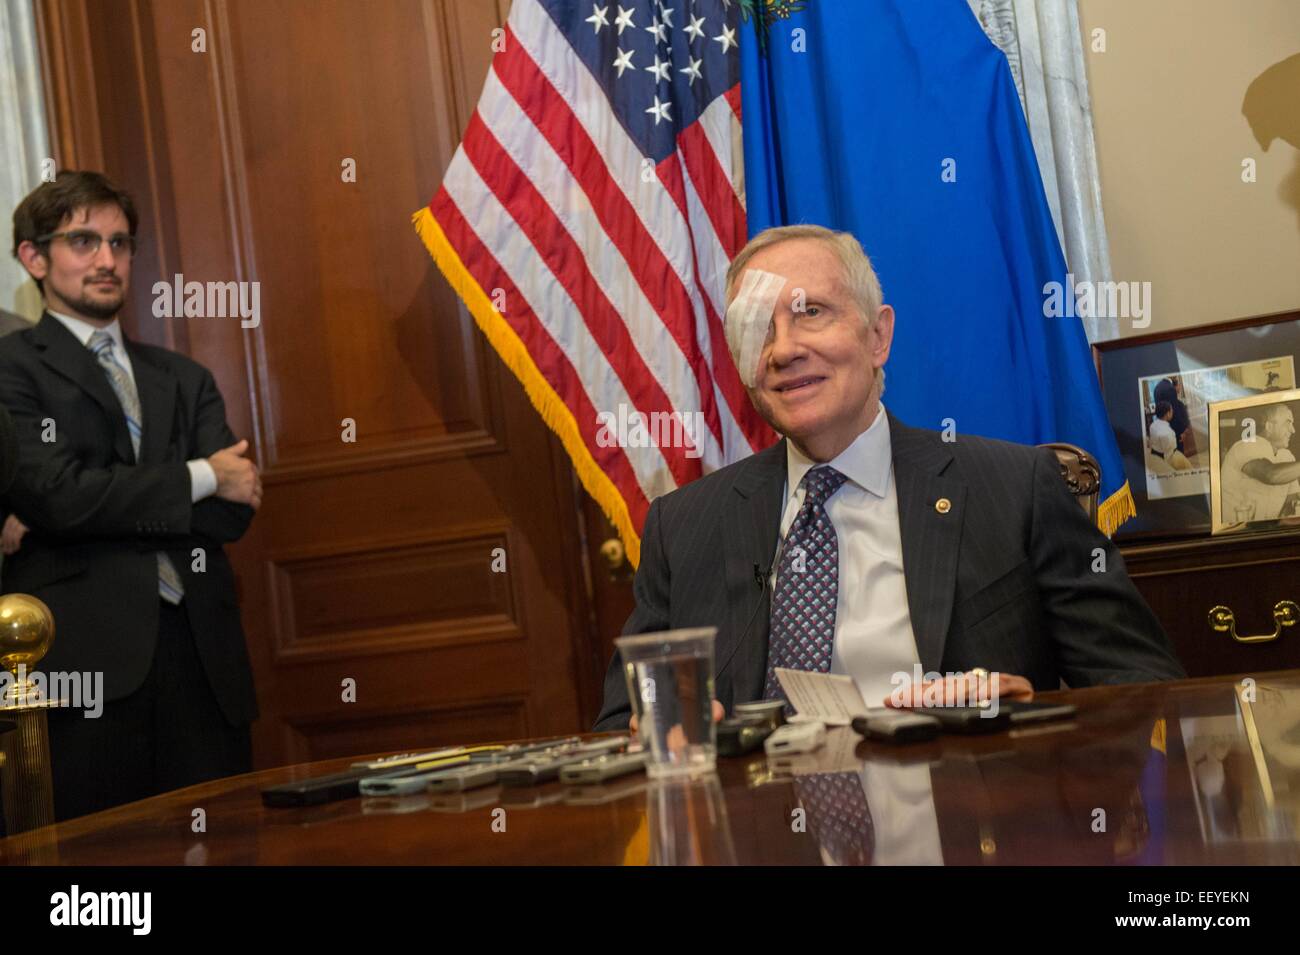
718	714
969	689
11	537
237	477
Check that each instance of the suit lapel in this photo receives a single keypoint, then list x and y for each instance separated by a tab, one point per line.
157	389
930	536
749	530
61	352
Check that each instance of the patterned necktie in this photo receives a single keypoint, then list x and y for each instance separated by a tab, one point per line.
807	586
838	815
101	343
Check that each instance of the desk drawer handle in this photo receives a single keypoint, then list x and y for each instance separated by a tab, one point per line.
1285	612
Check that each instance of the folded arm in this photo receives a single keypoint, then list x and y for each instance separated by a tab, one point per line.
1271	472
54	493
213	516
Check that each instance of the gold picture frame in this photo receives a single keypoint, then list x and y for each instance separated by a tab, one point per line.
1241	503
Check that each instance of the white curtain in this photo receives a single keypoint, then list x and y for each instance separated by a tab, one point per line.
1043	45
24	142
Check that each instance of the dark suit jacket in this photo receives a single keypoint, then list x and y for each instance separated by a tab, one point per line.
1003	581
97	516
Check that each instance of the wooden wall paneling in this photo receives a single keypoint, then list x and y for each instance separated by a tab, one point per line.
322	616
408	730
369	559
69	83
1249	573
103	108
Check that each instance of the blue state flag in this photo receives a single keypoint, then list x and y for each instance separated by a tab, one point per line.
899	121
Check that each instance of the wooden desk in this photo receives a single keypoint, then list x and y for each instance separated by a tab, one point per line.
1249	573
1183	772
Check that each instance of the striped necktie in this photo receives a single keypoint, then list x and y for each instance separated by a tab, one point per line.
101	343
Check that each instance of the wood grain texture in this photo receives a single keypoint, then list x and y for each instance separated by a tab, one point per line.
371	557
1027	797
1183	579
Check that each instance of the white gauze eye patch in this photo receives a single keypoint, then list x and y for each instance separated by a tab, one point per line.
749	316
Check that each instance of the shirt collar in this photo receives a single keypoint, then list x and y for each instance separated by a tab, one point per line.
83	329
866	462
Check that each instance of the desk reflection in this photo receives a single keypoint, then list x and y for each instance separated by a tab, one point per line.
1244	765
687	822
1199	772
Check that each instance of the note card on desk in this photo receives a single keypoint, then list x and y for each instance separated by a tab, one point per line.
829	697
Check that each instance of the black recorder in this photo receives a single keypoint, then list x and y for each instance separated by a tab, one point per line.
896	726
974	720
924	723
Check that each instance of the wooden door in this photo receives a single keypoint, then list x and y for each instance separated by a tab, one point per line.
401	459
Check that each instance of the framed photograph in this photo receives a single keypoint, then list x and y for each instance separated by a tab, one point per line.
1158	391
1254	476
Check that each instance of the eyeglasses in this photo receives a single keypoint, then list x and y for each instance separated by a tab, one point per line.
84	242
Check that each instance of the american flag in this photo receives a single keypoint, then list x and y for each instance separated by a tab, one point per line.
587	220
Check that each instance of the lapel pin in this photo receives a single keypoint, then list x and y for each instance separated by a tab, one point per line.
943	505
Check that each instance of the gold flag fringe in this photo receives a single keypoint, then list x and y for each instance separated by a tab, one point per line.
1115	510
549	405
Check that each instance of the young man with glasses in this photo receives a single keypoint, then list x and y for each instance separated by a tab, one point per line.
129	484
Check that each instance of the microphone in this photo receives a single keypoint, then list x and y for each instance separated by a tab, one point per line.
749	625
765	601
760	578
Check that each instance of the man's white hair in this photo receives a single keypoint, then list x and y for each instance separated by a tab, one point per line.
859	277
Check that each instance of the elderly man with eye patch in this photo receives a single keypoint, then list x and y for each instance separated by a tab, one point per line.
860	545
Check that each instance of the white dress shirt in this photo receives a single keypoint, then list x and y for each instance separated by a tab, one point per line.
901	800
1240	490
1163	438
203	480
873	627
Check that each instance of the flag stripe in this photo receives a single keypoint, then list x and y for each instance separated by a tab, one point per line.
712	279
742	428
732	96
713	184
599	185
522	141
485	265
670	174
662	212
736	167
643	258
558	252
580	94
516	357
722	127
571	361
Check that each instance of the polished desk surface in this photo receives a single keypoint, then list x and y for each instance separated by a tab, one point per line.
1173	773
